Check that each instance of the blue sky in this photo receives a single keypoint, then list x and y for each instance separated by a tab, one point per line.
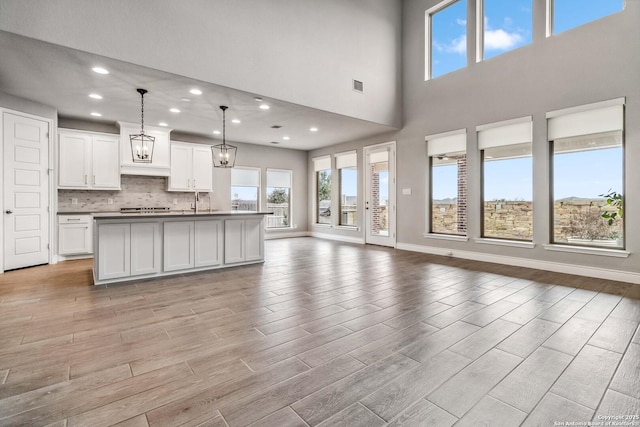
508	25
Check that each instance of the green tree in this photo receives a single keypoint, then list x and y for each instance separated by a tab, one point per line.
278	196
324	185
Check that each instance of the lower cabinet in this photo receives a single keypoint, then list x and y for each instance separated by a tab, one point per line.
128	250
75	235
243	240
192	244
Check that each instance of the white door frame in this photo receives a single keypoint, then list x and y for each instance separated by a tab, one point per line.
389	240
53	197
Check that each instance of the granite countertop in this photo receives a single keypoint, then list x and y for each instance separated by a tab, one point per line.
112	215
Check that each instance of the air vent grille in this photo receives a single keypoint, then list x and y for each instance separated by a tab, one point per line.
276	127
358	86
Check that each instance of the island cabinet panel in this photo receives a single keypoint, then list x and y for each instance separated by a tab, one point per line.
179	245
145	248
234	248
253	239
208	243
114	247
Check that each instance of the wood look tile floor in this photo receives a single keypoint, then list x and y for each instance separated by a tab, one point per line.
323	333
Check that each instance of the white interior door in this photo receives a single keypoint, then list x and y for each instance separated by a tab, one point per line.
26	191
380	194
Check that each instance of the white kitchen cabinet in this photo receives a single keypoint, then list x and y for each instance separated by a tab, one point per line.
88	160
75	235
160	162
192	244
145	248
178	245
208	243
114	247
243	240
191	167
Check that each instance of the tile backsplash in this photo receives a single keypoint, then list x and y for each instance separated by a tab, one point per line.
137	191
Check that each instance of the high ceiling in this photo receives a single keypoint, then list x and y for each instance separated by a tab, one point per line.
63	78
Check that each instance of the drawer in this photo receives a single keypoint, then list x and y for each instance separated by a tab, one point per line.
75	219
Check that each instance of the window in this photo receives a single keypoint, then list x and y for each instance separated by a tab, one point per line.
322	169
567	14
448	177
245	188
587	175
347	166
507	173
445	38
278	198
502	26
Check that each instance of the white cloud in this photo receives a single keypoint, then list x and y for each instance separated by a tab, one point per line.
461	22
501	39
457	45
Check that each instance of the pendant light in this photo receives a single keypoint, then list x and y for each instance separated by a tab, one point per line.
224	155
141	144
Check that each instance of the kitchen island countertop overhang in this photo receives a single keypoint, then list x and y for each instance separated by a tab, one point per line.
143	245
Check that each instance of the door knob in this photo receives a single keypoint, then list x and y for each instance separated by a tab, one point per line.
9	211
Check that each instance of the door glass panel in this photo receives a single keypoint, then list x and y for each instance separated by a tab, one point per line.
378	209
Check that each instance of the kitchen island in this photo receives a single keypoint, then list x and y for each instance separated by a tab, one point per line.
132	246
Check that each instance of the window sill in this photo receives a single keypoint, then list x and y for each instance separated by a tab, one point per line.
322	225
500	242
618	253
451	237
347	227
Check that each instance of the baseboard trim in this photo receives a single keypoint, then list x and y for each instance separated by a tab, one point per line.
578	270
338	237
285	235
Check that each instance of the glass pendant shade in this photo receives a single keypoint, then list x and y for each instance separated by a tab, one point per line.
223	155
142	144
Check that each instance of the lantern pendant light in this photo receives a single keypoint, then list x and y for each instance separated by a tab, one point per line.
141	144
224	155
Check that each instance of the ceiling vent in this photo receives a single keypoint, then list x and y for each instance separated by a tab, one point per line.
276	127
358	86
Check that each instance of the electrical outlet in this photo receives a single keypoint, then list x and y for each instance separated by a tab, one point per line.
175	201
74	201
109	201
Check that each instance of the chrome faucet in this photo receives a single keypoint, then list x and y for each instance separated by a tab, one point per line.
195	204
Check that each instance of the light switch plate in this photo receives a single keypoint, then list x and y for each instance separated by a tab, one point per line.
74	201
109	201
406	191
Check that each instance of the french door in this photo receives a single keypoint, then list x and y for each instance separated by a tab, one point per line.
380	194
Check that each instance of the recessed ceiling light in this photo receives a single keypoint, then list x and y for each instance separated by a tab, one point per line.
100	70
174	110
264	107
236	121
195	92
163	124
94	114
95	96
286	138
313	129
216	132
257	98
185	100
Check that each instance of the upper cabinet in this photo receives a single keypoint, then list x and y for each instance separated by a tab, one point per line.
161	161
88	160
191	167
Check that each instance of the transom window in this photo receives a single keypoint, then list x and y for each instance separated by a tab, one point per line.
445	38
564	15
502	26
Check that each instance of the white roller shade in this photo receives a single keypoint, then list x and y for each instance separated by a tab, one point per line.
321	163
510	132
245	177
346	160
279	179
448	142
573	122
379	157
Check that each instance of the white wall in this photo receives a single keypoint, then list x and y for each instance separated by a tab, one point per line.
302	51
